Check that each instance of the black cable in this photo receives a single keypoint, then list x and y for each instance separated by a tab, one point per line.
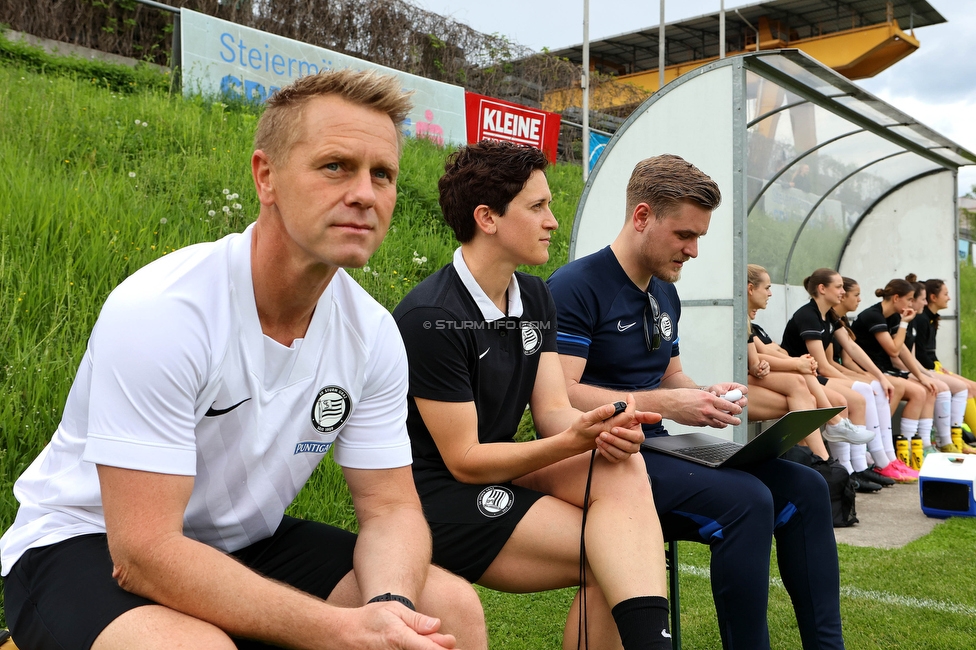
583	630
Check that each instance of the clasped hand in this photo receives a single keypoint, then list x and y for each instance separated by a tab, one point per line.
616	437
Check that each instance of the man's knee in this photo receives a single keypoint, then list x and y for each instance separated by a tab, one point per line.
454	601
155	626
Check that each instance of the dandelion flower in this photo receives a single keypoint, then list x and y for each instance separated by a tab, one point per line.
208	202
375	274
163	220
132	174
138	122
212	213
366	269
226	208
145	123
238	206
226	191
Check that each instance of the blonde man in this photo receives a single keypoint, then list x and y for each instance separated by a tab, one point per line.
215	381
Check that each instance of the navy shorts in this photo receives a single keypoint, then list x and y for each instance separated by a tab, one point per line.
64	596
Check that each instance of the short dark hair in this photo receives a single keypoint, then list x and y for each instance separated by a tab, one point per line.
663	182
488	173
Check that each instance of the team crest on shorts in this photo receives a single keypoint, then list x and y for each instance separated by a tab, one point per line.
331	408
531	338
667	327
495	500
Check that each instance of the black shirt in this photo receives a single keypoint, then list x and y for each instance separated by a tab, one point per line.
456	355
806	324
925	326
868	325
759	333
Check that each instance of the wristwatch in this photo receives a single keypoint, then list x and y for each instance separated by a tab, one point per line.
388	597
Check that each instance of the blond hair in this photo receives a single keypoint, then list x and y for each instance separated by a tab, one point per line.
664	181
280	125
755	274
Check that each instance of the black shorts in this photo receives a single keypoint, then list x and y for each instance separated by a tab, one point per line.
822	380
63	595
470	523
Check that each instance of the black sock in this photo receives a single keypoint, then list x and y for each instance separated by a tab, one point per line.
643	623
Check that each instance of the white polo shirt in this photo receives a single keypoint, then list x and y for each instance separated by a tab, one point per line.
178	378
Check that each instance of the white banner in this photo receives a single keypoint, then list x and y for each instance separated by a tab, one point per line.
221	57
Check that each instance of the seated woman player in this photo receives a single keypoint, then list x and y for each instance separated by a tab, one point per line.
925	326
880	330
778	383
481	344
888	391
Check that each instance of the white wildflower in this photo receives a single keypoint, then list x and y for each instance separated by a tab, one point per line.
226	191
132	174
226	208
238	206
163	221
212	213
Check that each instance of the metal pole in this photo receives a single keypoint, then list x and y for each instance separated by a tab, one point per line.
660	51
585	88
721	30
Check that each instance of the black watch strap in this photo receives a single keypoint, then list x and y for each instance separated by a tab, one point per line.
388	597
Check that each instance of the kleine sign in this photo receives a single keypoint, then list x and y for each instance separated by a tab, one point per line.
494	119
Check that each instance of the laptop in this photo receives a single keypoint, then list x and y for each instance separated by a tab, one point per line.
713	451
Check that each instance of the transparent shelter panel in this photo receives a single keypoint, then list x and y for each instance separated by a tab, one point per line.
867	108
913	135
800	74
825	233
951	155
764	96
780	211
776	141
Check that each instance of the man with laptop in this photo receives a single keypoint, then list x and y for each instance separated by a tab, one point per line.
618	314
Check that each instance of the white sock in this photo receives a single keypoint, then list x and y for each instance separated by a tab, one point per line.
858	462
925	430
958	408
943	407
884	419
878	453
842	452
871	422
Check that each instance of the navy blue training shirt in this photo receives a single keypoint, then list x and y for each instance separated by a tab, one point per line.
600	310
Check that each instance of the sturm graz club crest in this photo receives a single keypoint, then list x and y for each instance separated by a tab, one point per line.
331	408
667	327
531	338
495	500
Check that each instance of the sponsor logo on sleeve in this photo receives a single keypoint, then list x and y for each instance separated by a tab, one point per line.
309	447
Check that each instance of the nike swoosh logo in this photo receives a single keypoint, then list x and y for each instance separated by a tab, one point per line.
665	634
482	355
212	412
623	328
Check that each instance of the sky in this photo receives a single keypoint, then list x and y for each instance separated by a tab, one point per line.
936	84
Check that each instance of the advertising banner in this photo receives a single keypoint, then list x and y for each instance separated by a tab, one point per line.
494	119
598	142
221	57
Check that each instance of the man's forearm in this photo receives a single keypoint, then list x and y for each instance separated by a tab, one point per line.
393	553
200	581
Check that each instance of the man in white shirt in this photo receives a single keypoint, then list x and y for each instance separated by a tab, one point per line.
214	382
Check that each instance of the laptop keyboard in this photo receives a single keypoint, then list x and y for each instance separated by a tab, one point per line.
711	453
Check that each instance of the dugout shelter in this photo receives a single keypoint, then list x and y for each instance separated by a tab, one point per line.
814	172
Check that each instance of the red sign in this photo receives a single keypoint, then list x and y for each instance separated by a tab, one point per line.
494	119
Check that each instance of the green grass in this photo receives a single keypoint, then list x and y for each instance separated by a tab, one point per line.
74	222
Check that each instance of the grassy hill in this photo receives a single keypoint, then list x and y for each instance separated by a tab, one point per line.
102	171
